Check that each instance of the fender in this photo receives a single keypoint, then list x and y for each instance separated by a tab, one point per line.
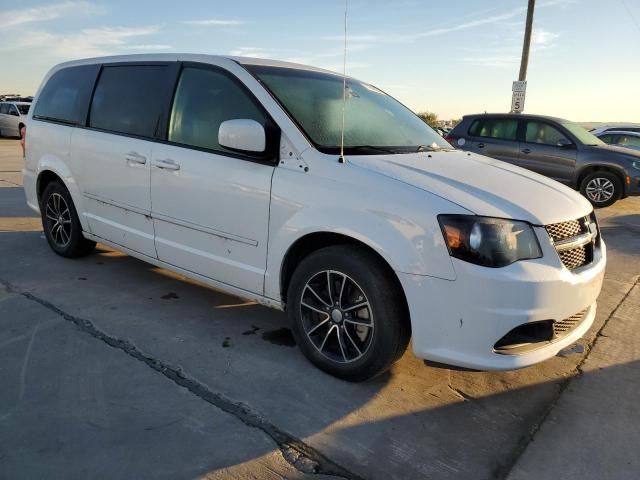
411	243
57	166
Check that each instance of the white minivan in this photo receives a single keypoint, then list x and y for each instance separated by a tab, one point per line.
229	171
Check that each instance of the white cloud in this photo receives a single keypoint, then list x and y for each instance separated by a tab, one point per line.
255	52
46	12
90	42
543	39
214	22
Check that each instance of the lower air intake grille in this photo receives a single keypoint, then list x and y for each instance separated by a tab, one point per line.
563	327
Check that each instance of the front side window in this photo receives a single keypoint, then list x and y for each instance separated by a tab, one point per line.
498	128
204	99
373	119
128	99
65	96
543	133
24	109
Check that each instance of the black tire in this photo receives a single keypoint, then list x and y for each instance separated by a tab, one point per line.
64	238
601	188
366	279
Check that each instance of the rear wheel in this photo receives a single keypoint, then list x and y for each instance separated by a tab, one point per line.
60	222
601	188
347	314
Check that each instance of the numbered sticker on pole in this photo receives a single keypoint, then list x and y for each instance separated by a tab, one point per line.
517	102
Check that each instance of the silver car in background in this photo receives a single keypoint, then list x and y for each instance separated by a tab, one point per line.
12	118
619	138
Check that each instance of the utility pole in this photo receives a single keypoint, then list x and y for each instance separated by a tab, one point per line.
527	41
520	87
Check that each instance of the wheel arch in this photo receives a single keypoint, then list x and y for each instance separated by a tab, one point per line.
312	242
45	177
598	167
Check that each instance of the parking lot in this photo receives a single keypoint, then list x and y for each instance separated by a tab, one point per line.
112	368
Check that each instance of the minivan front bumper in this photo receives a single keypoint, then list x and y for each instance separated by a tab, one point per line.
459	322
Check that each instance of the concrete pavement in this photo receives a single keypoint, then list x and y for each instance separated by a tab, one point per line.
172	346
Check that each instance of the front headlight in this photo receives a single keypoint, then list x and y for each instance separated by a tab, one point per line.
490	242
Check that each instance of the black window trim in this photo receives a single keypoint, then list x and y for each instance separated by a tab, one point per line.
272	130
496	118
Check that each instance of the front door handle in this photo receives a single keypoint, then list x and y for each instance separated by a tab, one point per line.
526	150
135	157
481	145
167	164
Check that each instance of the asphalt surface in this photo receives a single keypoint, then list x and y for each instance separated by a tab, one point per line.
112	368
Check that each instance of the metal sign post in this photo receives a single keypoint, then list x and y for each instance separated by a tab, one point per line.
517	99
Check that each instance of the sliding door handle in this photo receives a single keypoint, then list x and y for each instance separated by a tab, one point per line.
135	157
167	164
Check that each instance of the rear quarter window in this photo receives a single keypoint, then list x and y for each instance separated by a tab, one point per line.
66	95
498	128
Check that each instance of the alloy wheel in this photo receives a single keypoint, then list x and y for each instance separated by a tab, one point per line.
59	219
337	316
600	189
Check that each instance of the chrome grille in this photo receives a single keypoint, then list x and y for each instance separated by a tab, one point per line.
566	231
574	258
563	327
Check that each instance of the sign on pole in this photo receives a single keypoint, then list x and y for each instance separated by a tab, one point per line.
517	100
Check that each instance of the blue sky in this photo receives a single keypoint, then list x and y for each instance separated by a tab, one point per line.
451	57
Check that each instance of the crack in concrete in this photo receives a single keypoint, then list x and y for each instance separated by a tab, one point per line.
301	456
502	472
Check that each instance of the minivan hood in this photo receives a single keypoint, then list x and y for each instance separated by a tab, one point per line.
482	185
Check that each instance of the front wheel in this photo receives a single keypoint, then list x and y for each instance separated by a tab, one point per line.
60	223
347	313
602	189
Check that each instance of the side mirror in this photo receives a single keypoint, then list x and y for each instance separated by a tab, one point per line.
242	135
565	143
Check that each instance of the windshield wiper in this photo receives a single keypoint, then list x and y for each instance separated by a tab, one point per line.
433	148
362	148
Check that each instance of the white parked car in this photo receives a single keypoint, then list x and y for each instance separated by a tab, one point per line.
632	127
228	171
12	118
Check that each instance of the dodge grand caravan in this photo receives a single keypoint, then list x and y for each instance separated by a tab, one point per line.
229	171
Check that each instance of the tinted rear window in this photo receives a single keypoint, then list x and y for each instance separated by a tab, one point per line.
65	96
128	99
499	128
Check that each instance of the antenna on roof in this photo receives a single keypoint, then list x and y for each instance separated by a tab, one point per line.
344	82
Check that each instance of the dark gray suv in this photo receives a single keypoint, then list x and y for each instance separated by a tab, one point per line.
555	148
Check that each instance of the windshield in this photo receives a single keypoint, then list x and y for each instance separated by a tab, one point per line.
582	135
375	123
24	109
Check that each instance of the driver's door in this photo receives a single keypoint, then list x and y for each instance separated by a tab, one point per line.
547	150
210	206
